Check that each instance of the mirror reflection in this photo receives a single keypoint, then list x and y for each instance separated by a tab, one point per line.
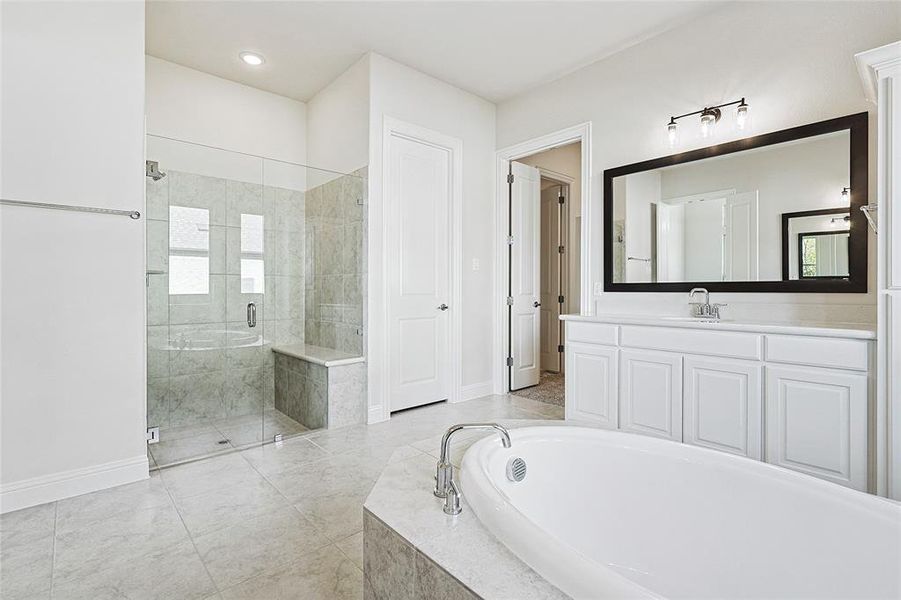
724	218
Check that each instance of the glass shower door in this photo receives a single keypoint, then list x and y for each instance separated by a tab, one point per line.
209	368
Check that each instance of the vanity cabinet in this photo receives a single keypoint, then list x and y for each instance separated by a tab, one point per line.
650	396
799	401
723	405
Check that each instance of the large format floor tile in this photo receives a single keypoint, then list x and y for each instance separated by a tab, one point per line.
280	521
243	551
325	574
171	572
118	540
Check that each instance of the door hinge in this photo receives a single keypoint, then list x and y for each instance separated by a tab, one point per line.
509	361
560	348
510	178
509	240
509	300
560	299
153	435
561	199
560	249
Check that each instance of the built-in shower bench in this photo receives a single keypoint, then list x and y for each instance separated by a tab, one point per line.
320	387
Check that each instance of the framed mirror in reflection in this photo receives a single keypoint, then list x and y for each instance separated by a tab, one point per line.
778	212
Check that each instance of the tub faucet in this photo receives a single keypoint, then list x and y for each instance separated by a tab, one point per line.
445	486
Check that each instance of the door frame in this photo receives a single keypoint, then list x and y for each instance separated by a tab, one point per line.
577	133
566	181
378	341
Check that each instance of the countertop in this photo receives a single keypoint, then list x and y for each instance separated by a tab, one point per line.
839	330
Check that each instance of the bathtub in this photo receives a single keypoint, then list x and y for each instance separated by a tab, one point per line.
604	514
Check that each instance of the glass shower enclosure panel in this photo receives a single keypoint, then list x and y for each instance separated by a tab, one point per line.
210	302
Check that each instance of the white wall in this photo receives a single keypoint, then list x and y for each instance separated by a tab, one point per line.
190	105
338	121
794	63
408	95
567	160
72	396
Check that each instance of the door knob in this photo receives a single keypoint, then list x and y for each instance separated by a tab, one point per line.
536	304
443	307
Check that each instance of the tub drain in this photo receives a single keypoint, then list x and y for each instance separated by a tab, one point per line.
516	469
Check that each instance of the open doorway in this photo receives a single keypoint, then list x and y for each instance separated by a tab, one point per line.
543	256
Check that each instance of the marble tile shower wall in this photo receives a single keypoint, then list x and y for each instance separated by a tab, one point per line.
336	263
204	362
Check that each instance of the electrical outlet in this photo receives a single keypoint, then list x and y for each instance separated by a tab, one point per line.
476	265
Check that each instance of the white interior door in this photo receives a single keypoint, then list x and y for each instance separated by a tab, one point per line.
525	271
550	277
418	199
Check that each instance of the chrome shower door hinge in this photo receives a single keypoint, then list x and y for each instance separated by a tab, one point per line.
153	435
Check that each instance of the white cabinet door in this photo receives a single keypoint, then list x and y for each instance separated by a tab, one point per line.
591	382
721	407
816	423
650	394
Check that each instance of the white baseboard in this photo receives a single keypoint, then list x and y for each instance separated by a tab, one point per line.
476	390
376	415
58	486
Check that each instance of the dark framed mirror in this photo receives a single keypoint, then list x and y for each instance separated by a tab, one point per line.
815	244
777	212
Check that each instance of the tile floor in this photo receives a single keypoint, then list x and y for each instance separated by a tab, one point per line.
268	522
196	441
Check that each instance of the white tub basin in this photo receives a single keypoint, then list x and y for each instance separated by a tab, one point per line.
604	514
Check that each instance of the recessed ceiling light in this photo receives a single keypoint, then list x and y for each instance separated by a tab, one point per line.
252	59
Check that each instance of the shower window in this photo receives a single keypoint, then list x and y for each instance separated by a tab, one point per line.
189	250
252	271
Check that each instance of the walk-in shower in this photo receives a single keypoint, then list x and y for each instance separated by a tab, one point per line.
243	253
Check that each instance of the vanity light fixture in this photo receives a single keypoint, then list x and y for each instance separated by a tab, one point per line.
710	116
252	58
846	195
672	131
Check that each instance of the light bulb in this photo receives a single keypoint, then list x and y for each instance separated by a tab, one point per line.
846	196
252	59
708	120
672	131
741	114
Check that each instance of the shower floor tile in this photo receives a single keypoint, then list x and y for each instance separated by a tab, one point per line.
188	442
260	523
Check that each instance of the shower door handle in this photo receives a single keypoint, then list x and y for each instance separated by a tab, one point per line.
251	314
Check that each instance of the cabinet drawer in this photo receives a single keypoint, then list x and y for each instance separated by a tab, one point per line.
817	351
591	333
729	344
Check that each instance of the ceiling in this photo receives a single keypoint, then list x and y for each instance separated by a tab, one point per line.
493	49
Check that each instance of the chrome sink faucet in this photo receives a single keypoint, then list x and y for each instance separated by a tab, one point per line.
445	486
703	310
